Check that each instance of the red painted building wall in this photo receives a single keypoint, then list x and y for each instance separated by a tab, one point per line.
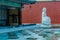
32	13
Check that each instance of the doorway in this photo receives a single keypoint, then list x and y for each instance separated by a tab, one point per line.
13	17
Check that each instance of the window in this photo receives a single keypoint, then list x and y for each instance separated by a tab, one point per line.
3	15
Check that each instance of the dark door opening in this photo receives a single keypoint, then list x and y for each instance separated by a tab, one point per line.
14	17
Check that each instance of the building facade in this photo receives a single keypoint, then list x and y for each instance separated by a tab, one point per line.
9	12
33	13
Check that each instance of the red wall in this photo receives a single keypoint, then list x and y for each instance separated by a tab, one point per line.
33	14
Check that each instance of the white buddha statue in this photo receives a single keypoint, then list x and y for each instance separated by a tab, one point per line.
46	22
